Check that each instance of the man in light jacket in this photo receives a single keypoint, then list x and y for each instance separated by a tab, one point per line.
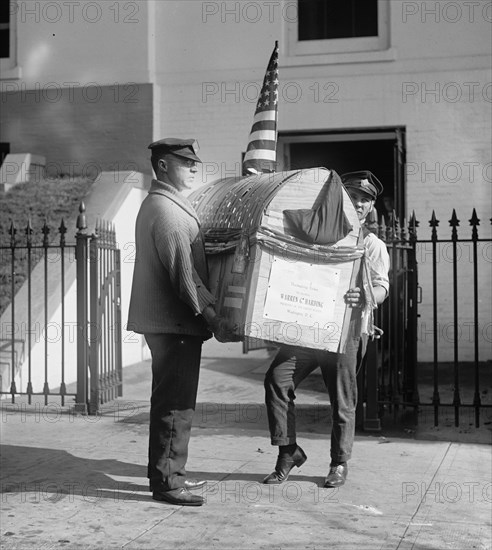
292	364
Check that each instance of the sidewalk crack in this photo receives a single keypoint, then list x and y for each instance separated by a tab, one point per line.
145	531
422	500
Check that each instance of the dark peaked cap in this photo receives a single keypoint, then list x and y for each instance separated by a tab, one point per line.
364	181
186	148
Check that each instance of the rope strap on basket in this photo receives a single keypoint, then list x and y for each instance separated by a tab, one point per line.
292	248
225	240
221	240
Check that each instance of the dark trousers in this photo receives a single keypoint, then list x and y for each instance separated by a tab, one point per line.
175	371
289	368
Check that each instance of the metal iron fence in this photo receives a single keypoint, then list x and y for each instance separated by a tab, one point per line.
105	362
392	378
94	262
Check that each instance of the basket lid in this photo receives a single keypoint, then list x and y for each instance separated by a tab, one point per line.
241	202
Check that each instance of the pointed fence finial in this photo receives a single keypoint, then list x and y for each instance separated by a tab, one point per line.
412	226
382	229
62	230
113	234
12	232
28	232
46	231
434	222
474	222
454	222
81	221
395	226
403	227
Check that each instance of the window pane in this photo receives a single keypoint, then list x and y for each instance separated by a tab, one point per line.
4	12
4	29
4	43
325	19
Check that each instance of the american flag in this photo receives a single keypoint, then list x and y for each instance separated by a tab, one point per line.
261	153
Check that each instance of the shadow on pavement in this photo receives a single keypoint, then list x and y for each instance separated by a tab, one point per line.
41	474
52	475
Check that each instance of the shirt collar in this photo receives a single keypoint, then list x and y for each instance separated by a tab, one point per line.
158	187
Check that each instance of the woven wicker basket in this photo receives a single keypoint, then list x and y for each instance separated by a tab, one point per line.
278	288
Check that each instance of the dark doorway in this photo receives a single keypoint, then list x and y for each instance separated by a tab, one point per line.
4	151
381	151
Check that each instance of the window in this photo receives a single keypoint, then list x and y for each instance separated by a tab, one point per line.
8	39
321	19
339	31
4	30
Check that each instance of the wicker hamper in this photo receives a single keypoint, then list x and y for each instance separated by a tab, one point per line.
277	287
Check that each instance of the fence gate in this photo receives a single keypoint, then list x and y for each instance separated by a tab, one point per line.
99	361
387	378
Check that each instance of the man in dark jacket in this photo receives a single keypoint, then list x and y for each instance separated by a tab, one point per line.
172	307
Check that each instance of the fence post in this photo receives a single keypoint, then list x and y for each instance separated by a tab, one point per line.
372	422
474	222
411	340
12	231
81	257
118	335
95	327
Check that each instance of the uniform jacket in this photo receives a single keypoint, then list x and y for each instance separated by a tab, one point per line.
378	261
170	277
374	272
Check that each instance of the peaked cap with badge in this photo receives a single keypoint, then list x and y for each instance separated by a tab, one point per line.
186	148
364	181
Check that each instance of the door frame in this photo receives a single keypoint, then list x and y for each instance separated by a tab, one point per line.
396	133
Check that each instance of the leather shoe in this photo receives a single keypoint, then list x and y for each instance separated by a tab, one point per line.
336	476
180	496
284	466
191	484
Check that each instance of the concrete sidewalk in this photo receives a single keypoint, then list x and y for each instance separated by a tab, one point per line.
80	482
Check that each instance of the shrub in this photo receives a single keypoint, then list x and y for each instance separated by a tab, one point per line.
42	202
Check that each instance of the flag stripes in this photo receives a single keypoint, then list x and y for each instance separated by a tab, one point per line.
269	135
261	152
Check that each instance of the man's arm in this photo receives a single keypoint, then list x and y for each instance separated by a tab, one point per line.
174	250
379	265
353	297
378	262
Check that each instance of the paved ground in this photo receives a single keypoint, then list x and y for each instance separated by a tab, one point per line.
79	482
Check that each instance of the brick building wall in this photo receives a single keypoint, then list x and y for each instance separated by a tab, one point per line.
80	130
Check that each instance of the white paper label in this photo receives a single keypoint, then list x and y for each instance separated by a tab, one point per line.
301	293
